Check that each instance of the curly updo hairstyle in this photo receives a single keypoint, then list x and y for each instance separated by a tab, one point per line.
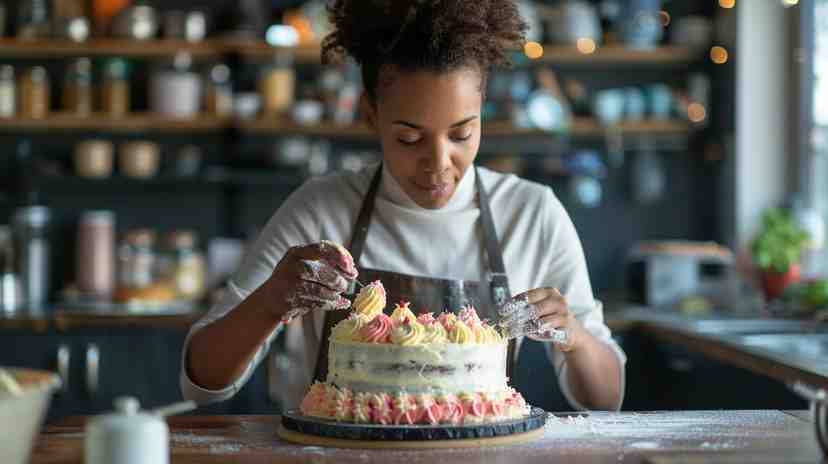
422	35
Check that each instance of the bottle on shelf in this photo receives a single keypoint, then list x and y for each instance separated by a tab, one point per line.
115	92
34	92
219	92
277	82
95	262
186	267
77	88
8	105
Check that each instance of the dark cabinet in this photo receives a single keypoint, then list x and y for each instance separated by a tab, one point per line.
98	365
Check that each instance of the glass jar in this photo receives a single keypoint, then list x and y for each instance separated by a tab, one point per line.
95	271
219	92
115	98
7	91
188	268
137	259
33	19
277	83
34	92
77	88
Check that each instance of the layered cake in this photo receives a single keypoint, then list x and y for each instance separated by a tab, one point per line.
408	369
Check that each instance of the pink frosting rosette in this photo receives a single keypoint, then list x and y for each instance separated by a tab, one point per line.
426	318
469	315
378	330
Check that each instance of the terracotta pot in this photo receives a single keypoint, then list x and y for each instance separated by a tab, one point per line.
774	283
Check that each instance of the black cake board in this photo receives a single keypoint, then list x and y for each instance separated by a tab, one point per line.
315	431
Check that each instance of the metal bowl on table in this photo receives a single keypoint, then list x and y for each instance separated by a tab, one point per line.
22	413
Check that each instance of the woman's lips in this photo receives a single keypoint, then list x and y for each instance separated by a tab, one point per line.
435	191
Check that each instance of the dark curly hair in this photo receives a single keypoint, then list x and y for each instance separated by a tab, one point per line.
432	35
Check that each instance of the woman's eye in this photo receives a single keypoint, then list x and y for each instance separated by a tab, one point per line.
463	138
408	141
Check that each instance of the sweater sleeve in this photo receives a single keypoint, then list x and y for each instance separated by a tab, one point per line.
567	271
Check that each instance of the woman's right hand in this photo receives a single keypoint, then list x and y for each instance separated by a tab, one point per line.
310	278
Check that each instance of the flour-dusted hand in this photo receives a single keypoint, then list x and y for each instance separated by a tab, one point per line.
312	278
541	314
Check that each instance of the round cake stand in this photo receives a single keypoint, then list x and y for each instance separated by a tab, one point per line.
321	432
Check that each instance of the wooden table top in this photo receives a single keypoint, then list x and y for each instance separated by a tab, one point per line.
651	437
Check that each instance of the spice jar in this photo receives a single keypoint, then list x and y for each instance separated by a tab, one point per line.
276	85
139	159
7	91
34	92
33	19
93	158
115	87
219	92
176	92
188	266
137	259
95	263
77	88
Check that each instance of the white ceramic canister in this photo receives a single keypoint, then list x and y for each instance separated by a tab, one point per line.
127	436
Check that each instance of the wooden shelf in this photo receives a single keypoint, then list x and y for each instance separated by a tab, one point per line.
581	127
618	55
135	122
253	49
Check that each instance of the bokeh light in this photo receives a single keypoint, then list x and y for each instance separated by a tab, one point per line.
585	45
718	54
533	50
727	3
696	112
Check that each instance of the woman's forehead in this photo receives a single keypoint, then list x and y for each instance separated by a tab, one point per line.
431	96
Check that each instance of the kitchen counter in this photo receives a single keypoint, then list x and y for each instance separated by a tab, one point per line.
652	437
783	349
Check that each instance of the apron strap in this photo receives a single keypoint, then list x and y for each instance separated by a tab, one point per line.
356	247
499	283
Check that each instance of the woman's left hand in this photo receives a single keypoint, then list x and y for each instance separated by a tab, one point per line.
537	314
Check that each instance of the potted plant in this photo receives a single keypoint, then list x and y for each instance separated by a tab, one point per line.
776	251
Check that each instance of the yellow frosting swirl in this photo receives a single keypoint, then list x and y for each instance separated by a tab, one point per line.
362	407
460	334
408	334
371	300
347	330
485	334
435	333
402	313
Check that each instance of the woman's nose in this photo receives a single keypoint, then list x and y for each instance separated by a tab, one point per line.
438	158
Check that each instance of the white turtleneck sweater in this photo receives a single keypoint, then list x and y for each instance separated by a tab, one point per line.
538	240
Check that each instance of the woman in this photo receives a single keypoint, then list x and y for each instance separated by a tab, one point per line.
425	216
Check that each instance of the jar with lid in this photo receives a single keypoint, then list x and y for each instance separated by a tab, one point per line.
137	259
77	87
175	91
7	91
115	99
34	92
95	263
277	83
188	269
219	92
33	19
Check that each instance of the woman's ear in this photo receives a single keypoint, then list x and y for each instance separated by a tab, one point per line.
368	110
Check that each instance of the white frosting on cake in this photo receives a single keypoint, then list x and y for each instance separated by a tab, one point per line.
431	368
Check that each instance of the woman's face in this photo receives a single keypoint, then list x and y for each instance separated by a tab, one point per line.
429	127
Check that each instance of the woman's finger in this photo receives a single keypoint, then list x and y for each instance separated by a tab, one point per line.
315	290
329	252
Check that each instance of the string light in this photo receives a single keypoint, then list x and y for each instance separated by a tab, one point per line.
533	50
727	3
718	55
585	45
